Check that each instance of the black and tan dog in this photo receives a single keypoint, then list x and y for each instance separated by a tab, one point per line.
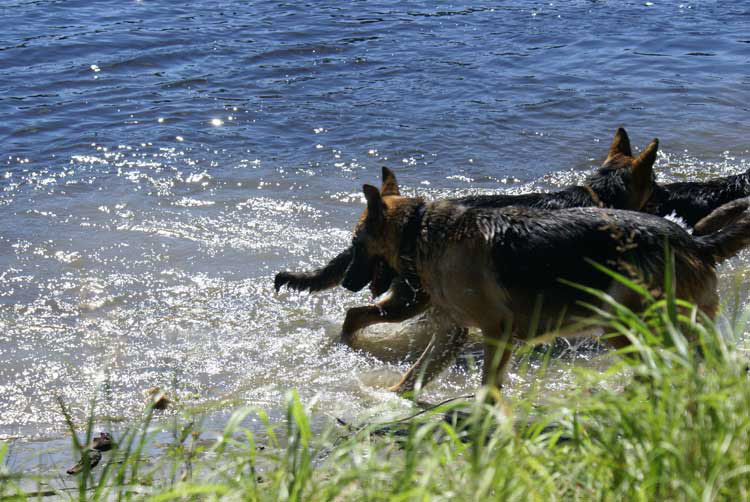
689	201
497	269
623	182
448	339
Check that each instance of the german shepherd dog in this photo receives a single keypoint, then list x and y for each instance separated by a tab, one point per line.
498	269
623	182
690	201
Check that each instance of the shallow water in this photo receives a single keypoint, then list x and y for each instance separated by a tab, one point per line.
159	163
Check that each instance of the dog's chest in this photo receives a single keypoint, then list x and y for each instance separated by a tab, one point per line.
462	281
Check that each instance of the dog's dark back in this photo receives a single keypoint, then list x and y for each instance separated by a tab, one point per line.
694	200
533	248
607	187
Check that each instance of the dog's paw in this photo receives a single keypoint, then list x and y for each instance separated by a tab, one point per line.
401	388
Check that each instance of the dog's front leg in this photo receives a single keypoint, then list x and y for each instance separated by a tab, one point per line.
498	347
403	303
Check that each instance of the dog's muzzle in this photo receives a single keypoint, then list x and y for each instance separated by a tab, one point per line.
359	272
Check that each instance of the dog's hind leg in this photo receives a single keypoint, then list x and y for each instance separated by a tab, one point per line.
439	354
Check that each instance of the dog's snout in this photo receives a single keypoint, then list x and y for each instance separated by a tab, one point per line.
355	281
358	274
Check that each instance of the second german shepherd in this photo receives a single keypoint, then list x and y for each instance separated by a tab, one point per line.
497	269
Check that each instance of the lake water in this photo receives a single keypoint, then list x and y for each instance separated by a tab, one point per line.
160	161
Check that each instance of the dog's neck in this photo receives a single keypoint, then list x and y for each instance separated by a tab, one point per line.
411	229
405	223
607	190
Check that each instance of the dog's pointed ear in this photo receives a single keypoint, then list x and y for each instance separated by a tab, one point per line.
643	166
620	145
390	186
375	207
648	155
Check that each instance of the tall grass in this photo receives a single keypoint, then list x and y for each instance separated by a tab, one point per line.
668	421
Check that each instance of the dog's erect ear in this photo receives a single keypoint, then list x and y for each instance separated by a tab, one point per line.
390	186
620	145
648	155
375	207
643	166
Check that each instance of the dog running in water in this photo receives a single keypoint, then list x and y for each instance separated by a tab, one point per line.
497	269
448	339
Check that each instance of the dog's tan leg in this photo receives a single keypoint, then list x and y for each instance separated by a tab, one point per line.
358	318
497	351
496	356
401	305
438	355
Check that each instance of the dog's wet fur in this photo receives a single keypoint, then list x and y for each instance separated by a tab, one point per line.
499	269
623	182
694	200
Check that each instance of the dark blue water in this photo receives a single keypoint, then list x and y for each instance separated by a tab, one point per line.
161	160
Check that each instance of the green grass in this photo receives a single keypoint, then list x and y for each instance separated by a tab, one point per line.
668	421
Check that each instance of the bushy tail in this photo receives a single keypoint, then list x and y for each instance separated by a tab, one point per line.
323	278
730	230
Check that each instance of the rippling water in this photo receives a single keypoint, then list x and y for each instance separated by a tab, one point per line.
160	162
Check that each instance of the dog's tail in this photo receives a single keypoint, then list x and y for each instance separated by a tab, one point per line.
325	277
729	227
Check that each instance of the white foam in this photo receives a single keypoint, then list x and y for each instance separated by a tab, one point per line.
674	218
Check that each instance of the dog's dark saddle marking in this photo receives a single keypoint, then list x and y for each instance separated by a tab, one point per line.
693	200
